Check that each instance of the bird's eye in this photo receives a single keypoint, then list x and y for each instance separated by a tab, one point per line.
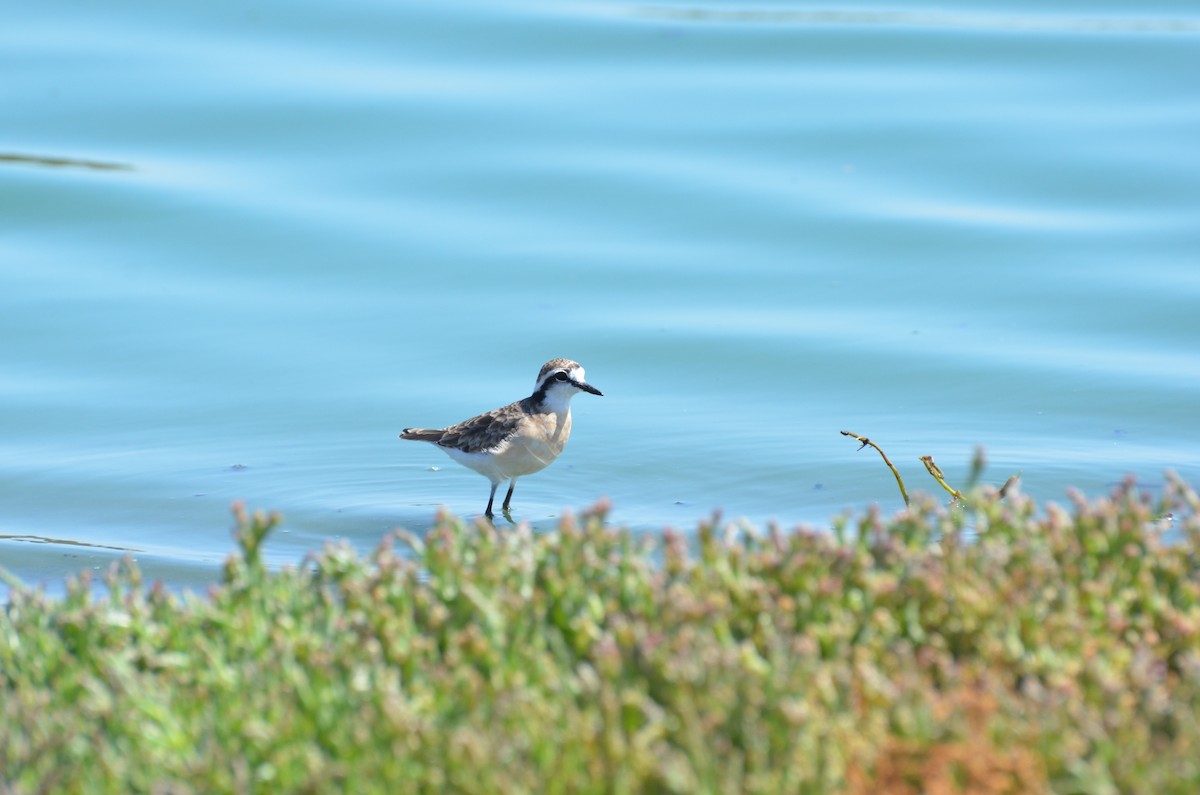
560	376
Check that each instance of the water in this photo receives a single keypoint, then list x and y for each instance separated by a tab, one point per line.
288	231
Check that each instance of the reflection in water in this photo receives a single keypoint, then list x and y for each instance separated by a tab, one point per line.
45	540
63	162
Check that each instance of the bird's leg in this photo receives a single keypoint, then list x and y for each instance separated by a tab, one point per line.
491	497
508	497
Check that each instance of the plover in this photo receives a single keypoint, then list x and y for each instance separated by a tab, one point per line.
518	439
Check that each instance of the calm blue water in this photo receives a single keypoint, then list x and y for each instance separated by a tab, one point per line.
755	225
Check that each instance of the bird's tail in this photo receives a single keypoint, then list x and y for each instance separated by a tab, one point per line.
422	434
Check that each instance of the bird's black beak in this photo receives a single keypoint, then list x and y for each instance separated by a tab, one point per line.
589	388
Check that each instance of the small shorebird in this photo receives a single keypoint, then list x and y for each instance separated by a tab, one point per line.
518	439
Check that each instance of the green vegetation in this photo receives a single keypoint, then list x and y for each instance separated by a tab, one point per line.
991	647
977	465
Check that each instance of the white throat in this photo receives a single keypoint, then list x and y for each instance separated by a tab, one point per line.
559	393
558	397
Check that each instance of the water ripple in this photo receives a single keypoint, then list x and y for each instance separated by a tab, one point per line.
923	19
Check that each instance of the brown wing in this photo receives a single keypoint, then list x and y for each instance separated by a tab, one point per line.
485	432
476	435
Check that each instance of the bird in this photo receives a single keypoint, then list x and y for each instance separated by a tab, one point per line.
518	439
